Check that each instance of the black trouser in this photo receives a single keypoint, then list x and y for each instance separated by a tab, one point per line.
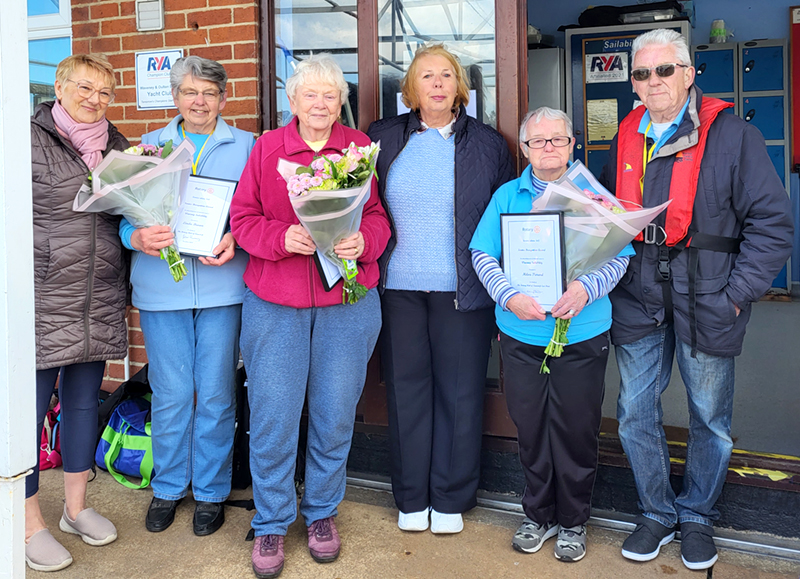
434	361
558	422
78	394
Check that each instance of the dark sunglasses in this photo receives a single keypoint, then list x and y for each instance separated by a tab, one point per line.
662	70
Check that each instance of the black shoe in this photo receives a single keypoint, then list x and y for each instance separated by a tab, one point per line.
697	546
160	514
208	517
646	540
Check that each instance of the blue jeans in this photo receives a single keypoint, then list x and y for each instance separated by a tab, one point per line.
645	367
193	353
291	353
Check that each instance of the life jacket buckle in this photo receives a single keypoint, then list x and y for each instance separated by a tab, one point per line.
664	270
654	234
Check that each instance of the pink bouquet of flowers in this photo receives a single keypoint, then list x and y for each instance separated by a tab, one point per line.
328	197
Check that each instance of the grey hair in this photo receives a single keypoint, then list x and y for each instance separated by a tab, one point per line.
543	113
663	37
317	67
198	67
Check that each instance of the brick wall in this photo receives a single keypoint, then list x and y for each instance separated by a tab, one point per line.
223	30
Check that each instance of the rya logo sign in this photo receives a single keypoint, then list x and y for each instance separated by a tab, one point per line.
606	63
158	64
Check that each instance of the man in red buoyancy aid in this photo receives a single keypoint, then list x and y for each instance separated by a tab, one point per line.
688	290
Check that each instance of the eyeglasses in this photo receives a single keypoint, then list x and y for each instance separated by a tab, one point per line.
662	70
208	95
87	92
542	143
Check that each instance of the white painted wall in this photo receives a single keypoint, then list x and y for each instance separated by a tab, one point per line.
17	341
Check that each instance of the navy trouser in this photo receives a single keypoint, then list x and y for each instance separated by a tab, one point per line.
77	392
558	421
434	362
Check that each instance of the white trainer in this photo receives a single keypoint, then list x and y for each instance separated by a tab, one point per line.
413	521
442	523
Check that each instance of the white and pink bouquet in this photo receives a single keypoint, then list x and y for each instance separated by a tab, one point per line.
143	184
328	197
596	229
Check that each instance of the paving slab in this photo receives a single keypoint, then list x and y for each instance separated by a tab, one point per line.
373	546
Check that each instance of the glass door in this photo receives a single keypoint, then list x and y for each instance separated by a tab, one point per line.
306	27
466	27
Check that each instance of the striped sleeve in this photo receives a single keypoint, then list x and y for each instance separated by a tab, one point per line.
598	283
492	277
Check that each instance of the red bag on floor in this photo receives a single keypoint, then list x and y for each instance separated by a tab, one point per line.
50	449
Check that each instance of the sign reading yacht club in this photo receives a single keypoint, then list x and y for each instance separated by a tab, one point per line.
152	78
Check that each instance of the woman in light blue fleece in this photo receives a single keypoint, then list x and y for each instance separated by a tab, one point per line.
191	328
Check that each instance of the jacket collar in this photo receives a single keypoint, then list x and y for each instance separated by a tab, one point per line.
172	132
687	134
415	124
293	143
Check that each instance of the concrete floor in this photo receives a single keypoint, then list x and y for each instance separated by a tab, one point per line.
373	547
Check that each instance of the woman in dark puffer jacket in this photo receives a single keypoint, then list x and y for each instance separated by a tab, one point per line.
437	171
80	285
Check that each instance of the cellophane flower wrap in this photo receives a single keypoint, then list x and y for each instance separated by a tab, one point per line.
597	227
328	198
143	184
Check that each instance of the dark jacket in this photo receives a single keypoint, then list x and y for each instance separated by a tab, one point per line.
739	195
79	267
482	163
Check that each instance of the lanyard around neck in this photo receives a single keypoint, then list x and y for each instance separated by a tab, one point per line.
197	159
646	155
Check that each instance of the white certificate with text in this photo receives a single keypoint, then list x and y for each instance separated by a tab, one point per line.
533	254
203	215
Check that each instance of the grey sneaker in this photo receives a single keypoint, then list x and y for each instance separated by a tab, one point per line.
93	528
530	536
646	540
44	553
571	544
697	546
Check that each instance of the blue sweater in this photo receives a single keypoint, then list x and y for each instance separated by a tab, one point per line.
205	286
420	189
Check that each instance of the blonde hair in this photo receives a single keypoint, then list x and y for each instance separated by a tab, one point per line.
409	87
96	62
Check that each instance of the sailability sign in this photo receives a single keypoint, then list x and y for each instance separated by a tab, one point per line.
152	79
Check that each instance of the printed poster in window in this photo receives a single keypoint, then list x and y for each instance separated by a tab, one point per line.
601	119
607	67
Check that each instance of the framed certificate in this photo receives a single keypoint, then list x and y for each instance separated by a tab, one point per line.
533	254
328	272
203	215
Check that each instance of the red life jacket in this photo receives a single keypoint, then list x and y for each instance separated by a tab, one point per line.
685	168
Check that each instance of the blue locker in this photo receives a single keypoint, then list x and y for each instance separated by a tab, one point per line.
777	154
761	67
715	70
766	113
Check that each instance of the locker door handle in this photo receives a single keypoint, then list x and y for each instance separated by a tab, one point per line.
701	69
750	114
749	66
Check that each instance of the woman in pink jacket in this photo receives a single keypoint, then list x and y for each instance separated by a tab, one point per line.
297	339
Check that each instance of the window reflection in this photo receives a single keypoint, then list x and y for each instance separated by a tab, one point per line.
44	56
42	7
465	26
305	27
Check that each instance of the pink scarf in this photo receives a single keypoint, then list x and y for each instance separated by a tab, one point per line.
90	139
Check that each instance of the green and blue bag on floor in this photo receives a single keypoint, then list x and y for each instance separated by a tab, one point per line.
125	445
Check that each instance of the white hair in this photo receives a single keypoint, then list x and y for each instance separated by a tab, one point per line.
663	37
536	116
321	68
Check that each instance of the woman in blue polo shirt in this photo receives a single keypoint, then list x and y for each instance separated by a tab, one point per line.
557	414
